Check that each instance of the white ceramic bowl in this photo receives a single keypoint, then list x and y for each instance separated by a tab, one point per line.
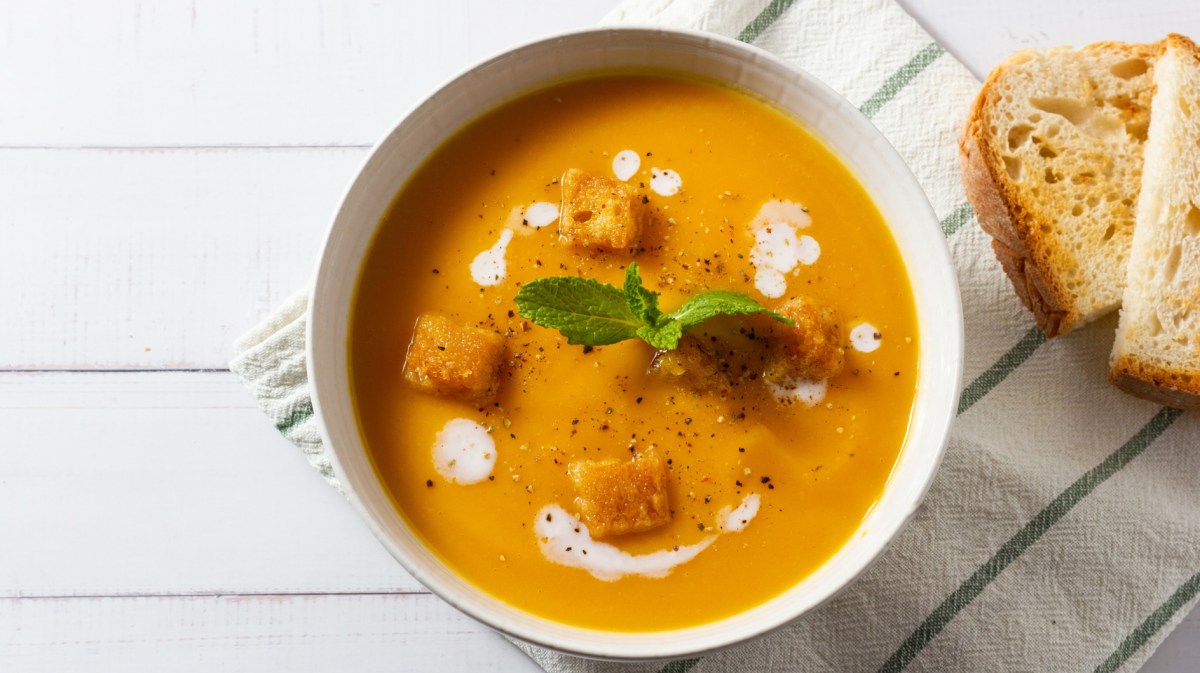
828	116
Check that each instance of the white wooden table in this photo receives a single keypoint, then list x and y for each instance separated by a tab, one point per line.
166	173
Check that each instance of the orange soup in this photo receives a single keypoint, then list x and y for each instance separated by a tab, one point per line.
614	486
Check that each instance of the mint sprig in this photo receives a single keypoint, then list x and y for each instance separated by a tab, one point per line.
591	313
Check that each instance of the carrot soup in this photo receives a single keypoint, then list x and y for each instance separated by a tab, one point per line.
633	352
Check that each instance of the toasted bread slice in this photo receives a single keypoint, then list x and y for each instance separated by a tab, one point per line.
1157	351
1051	158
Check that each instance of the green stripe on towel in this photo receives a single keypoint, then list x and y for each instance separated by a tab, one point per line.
901	78
298	415
764	20
999	371
955	220
1157	619
1024	539
681	666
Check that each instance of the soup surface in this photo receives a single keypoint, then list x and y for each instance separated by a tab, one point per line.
764	484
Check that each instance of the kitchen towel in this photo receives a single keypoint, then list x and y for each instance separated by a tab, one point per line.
1063	530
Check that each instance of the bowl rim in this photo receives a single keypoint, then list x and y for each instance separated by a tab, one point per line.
655	645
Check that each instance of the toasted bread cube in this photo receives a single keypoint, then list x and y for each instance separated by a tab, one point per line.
616	497
454	360
600	212
812	349
693	366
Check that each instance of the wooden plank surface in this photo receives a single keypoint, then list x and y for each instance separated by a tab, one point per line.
156	258
168	483
166	173
364	633
226	72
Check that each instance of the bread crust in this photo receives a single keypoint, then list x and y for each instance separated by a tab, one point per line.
1183	42
1008	224
1156	384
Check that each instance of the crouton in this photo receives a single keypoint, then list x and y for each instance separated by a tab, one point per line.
454	360
693	366
812	349
616	497
600	212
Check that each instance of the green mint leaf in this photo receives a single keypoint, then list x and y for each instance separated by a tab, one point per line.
695	311
663	338
587	312
718	302
643	302
591	313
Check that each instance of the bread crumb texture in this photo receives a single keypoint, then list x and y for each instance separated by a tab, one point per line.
1052	161
1156	354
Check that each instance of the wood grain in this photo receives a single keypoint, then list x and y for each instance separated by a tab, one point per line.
151	258
363	633
226	72
168	484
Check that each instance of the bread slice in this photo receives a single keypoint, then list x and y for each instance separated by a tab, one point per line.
1157	351
1051	159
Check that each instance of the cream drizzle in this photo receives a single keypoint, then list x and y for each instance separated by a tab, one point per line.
778	249
626	164
866	338
565	540
464	452
805	391
741	516
541	214
489	267
665	182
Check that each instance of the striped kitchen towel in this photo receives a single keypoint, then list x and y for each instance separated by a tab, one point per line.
1063	530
